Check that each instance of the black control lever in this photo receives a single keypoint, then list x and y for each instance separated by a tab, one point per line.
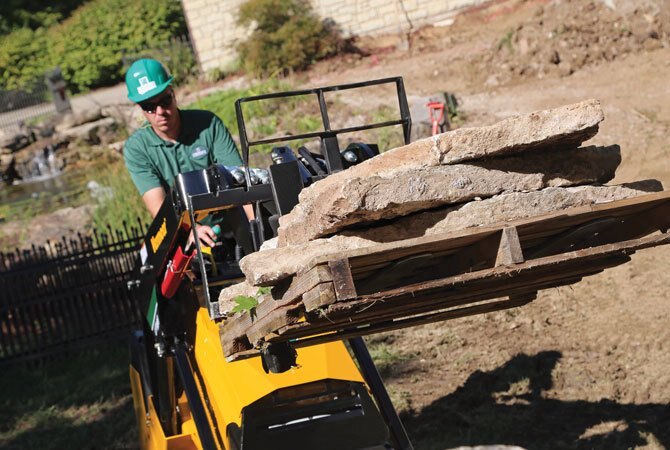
311	161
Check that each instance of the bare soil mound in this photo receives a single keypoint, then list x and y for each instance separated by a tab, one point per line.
566	35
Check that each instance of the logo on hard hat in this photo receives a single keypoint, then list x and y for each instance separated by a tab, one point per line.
145	85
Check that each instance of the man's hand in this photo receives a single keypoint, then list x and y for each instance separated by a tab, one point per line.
206	236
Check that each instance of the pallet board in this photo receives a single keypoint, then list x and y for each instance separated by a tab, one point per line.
435	278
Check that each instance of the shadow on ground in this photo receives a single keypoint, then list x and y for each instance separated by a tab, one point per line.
506	406
114	430
77	400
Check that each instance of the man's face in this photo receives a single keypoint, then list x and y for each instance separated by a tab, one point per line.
161	111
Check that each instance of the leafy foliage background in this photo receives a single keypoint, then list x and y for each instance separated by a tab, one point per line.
89	45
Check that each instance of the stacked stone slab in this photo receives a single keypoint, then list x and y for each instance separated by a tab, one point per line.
415	176
266	268
522	167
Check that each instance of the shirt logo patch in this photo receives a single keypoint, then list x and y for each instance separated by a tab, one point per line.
199	152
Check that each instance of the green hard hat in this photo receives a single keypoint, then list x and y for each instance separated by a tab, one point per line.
146	78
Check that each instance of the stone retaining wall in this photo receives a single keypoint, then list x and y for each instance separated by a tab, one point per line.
213	22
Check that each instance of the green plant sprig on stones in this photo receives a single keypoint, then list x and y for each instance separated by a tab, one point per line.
248	303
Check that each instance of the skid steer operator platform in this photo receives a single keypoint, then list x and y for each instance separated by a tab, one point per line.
186	394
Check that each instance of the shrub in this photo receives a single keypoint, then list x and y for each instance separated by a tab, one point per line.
286	36
34	14
88	46
23	58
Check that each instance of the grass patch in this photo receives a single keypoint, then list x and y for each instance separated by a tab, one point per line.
79	401
388	137
117	199
506	41
294	115
223	103
385	357
402	400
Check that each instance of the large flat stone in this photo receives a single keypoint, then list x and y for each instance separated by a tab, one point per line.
565	127
501	208
559	128
75	119
267	267
409	189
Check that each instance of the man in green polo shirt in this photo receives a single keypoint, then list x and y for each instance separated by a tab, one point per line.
171	141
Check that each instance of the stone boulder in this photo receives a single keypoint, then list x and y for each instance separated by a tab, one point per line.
267	267
75	119
406	190
8	172
87	132
326	206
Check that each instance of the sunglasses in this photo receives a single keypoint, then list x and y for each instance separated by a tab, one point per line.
163	102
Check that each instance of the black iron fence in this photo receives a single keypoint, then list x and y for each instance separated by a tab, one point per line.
67	295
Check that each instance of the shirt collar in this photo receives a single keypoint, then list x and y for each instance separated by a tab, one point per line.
157	141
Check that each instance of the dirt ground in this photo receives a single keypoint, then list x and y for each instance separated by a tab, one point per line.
585	366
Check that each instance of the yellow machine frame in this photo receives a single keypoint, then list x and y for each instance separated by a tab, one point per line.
207	405
232	386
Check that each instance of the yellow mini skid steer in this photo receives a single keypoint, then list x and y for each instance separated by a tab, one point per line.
186	395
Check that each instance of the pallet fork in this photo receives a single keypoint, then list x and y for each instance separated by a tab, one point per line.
186	395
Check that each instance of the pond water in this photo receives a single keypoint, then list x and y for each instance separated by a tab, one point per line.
43	194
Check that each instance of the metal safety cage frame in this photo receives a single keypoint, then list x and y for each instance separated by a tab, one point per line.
199	192
328	136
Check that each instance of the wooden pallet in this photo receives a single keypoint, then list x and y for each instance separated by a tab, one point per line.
435	278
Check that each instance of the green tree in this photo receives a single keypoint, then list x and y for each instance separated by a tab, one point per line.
23	58
89	45
34	14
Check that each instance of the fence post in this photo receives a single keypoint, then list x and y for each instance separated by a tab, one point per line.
57	87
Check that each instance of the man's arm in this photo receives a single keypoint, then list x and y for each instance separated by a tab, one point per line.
225	152
153	199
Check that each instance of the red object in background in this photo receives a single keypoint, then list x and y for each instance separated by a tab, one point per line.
436	110
175	272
